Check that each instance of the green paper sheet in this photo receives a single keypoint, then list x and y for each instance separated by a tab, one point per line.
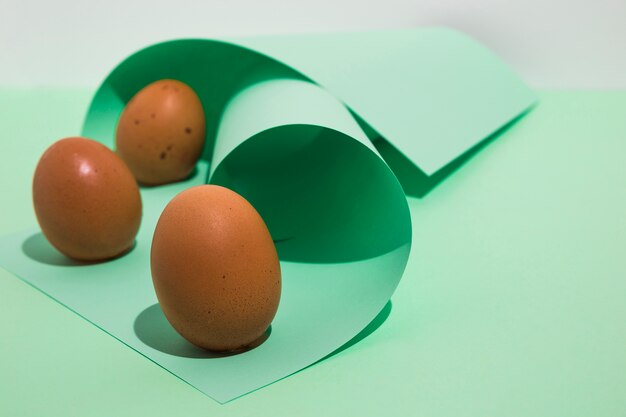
300	149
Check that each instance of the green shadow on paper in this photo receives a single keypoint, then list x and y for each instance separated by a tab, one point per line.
307	172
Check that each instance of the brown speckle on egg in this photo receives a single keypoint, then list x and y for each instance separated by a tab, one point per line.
180	120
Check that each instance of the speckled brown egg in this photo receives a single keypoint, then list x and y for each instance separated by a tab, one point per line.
215	269
86	200
161	132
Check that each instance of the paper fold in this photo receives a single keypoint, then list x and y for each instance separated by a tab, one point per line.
290	125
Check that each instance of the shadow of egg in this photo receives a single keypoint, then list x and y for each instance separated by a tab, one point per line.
153	329
37	248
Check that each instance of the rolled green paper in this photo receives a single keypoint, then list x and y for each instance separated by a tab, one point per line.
309	129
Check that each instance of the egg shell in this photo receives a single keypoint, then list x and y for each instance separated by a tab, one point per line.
161	131
86	200
215	269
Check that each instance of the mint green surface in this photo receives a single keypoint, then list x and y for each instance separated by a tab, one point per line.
304	156
512	302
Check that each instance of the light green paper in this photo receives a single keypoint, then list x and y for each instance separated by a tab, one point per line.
530	327
433	93
335	209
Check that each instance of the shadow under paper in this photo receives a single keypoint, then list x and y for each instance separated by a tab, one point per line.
414	181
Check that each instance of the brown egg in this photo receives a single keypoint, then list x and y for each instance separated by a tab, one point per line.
215	269
86	200
160	134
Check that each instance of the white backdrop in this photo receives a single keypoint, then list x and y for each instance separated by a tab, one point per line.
550	43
